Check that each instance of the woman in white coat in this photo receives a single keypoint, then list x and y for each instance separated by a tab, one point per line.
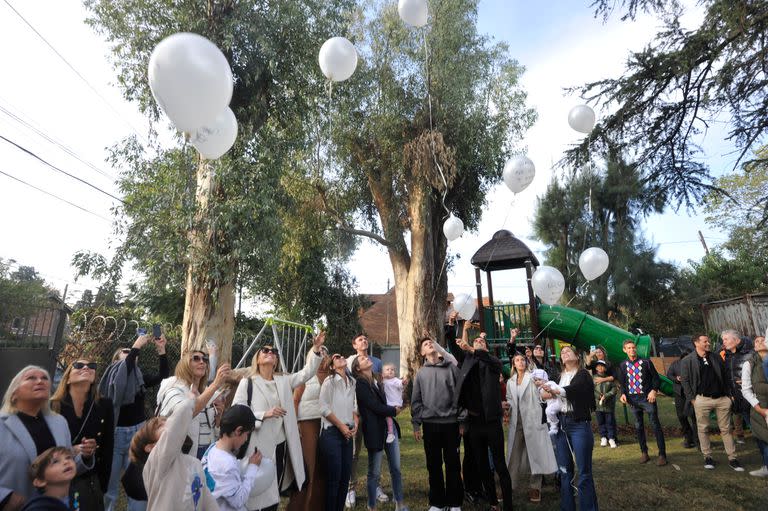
270	397
529	449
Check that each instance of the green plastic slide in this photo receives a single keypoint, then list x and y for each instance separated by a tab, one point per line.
584	331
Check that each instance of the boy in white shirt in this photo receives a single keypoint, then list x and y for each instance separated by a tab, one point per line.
393	391
228	485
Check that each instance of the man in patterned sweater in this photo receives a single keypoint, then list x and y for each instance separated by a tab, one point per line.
640	383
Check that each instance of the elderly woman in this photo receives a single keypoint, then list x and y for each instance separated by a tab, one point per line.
27	429
191	375
754	387
88	417
529	449
574	439
269	395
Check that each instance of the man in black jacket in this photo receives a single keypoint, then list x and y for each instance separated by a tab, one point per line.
683	406
480	394
639	385
703	379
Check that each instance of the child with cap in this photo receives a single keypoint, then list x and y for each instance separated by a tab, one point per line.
605	397
229	486
52	472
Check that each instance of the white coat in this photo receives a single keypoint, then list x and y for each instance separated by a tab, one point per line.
541	454
263	436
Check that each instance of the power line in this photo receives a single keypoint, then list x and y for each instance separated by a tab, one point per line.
54	196
57	169
55	142
74	70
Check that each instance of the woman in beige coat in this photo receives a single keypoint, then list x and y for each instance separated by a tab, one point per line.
270	397
529	449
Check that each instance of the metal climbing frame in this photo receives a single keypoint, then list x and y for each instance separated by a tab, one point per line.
290	338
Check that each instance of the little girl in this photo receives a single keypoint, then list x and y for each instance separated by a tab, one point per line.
393	391
553	404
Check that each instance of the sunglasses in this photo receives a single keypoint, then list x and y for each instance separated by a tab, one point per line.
125	350
90	365
269	350
200	358
335	356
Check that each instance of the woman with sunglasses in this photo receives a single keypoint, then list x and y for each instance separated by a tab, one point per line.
191	375
125	384
89	418
269	394
339	425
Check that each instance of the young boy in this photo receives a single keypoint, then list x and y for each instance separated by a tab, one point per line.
605	397
393	391
553	404
51	473
229	487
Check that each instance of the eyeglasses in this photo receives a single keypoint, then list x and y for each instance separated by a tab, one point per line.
269	350
125	350
90	365
200	358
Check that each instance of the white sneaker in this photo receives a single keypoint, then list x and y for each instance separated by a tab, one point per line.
762	472
603	442
351	499
612	443
455	509
380	495
433	508
390	438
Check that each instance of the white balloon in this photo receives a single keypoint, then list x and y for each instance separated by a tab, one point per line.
464	305
548	284
413	12
519	173
453	228
266	475
581	118
190	79
593	262
217	138
338	59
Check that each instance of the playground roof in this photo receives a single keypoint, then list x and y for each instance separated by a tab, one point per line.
503	252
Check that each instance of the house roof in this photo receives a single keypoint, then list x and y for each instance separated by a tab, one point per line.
503	252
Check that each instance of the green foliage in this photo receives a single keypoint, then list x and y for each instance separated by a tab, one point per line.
22	293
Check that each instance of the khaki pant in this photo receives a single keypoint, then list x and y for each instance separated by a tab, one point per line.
722	407
313	496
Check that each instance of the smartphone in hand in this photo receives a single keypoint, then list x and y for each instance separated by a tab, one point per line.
156	332
141	331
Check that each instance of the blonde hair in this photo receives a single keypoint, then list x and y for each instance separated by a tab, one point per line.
255	362
63	389
184	370
9	403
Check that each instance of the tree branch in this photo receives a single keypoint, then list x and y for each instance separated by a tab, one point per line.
362	232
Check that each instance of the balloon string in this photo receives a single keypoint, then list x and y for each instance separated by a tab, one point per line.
557	316
431	128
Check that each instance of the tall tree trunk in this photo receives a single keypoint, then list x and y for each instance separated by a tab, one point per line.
209	306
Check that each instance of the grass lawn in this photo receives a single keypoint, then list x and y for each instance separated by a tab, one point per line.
622	483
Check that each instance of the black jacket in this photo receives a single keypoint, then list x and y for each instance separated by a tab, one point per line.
649	379
673	371
99	425
374	410
580	393
690	373
43	503
489	371
733	363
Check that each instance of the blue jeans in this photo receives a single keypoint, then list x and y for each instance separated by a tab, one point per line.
120	460
374	471
765	367
763	447
575	440
336	452
639	404
606	424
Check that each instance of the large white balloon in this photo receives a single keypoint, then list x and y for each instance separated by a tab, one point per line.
465	306
338	59
413	12
190	79
593	262
548	284
216	138
581	118
519	173
266	475
453	228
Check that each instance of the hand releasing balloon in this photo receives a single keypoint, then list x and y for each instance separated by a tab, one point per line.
338	59
413	12
215	139
581	118
593	262
548	284
190	79
453	228
519	173
465	306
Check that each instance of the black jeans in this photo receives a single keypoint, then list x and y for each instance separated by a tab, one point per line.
441	446
687	422
484	436
469	471
639	404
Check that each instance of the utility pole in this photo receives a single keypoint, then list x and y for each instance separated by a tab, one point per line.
703	243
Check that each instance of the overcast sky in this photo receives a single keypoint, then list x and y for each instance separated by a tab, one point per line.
558	41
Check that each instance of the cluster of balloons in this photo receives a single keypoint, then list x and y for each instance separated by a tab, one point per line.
549	284
192	82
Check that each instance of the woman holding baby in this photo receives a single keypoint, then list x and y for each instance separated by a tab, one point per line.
529	449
